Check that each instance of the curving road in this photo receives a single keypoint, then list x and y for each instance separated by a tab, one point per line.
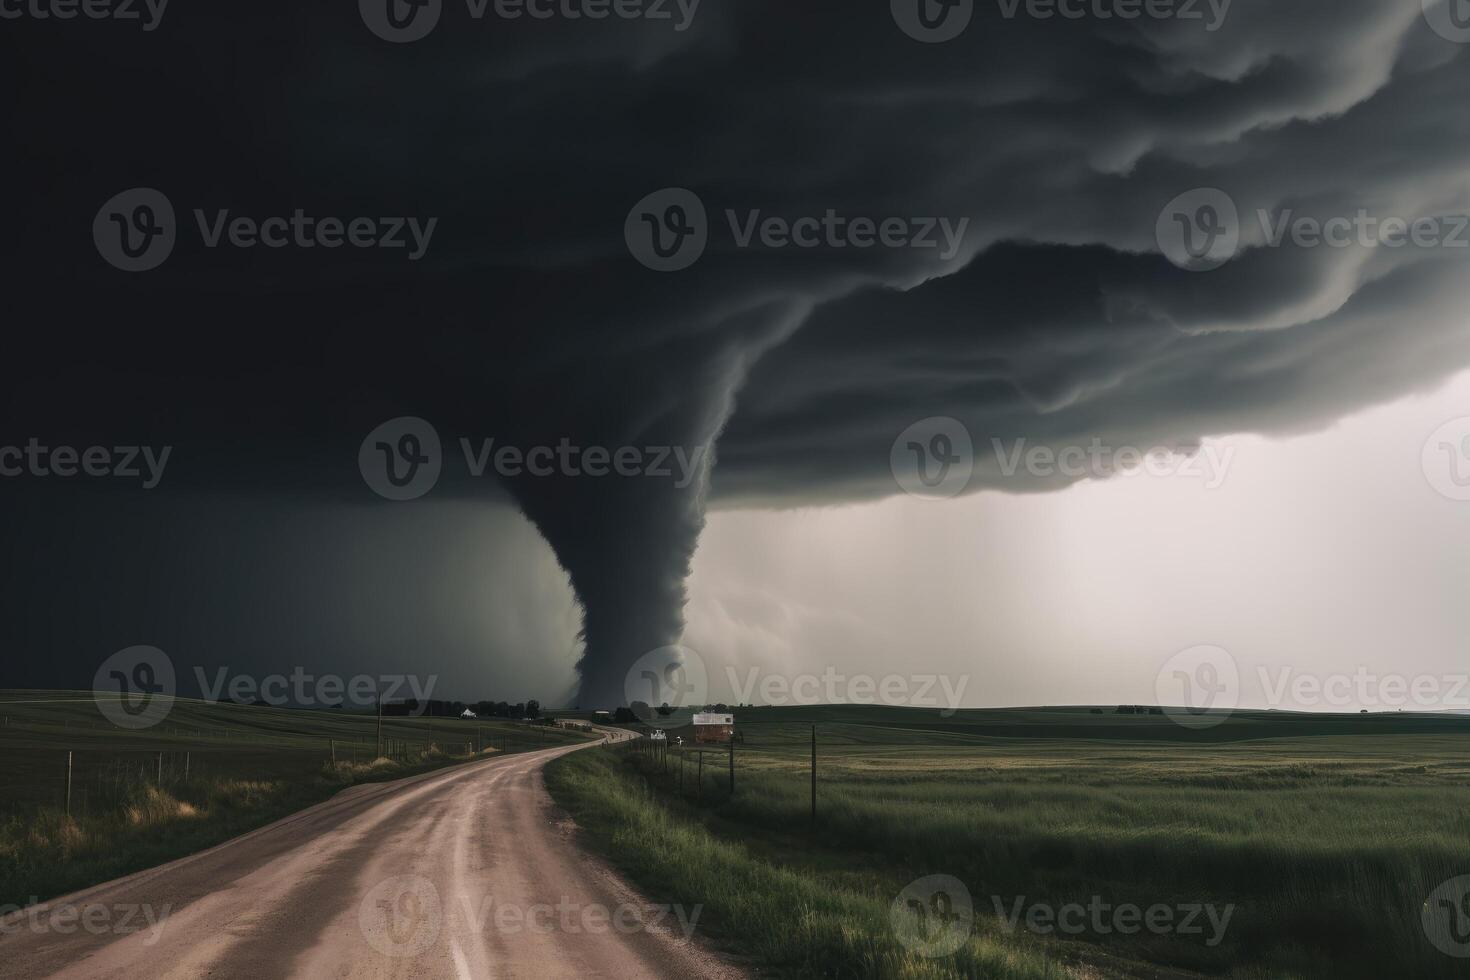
467	872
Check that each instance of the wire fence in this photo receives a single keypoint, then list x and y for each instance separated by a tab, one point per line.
86	765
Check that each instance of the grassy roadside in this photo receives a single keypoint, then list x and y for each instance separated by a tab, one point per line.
209	773
46	853
789	922
1324	848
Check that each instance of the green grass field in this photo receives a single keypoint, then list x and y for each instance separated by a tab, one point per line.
226	769
1323	836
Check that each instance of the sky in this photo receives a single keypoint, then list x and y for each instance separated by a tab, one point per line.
1319	554
307	264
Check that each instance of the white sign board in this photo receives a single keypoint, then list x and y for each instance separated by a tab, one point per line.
714	719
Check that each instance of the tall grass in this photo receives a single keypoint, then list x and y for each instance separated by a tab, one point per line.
133	820
1327	860
786	919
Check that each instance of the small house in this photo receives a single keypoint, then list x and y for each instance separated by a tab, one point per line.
712	728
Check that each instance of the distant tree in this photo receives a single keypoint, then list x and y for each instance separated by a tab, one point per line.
533	709
625	716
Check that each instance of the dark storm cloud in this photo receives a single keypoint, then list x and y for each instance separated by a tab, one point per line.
1059	141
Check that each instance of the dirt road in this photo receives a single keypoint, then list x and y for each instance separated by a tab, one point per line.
462	873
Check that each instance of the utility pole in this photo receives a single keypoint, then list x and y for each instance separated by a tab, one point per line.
732	763
68	784
379	694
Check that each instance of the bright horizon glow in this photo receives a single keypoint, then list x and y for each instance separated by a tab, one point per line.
1322	554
